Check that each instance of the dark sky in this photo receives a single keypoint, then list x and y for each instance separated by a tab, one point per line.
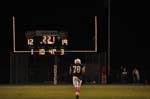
129	30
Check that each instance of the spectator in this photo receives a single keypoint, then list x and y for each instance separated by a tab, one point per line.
124	75
136	75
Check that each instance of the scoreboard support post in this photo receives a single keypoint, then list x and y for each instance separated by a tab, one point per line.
55	70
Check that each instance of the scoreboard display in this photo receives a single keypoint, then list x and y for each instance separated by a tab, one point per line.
44	41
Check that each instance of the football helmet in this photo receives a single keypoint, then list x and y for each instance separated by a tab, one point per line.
77	61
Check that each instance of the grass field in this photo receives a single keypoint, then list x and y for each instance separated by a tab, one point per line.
67	92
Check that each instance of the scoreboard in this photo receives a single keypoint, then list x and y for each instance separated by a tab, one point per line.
47	41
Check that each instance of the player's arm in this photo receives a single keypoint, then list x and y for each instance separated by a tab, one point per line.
83	69
70	70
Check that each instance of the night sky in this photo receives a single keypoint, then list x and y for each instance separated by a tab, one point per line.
130	33
128	30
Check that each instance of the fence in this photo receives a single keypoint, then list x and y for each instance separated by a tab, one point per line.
26	68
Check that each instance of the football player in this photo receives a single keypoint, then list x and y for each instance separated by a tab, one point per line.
77	70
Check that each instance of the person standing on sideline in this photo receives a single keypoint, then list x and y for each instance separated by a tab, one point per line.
136	75
124	76
77	70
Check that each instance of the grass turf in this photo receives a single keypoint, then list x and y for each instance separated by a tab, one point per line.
67	92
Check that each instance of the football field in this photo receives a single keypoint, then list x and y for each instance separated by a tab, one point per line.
67	92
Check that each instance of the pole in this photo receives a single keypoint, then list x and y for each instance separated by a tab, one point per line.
55	70
14	46
108	49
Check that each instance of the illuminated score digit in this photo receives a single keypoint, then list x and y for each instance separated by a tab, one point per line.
64	42
31	51
48	39
52	51
62	51
41	51
30	41
44	40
